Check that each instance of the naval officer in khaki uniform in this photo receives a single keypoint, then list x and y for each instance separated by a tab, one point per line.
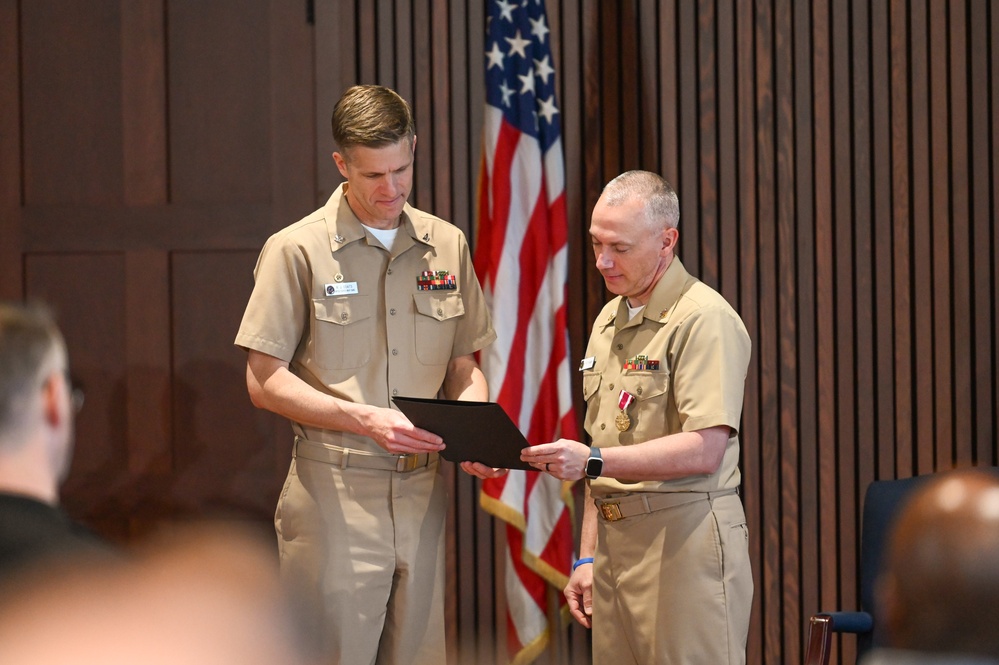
663	575
365	299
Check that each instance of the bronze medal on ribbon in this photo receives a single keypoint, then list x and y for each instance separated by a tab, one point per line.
623	421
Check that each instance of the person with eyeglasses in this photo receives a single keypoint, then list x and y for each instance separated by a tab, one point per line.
38	404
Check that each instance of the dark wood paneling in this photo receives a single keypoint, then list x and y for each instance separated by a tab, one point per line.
803	207
960	318
11	172
224	457
87	293
922	237
844	404
983	247
149	429
143	102
219	70
828	582
752	460
128	183
900	213
71	81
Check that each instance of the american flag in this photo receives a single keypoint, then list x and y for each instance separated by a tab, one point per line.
521	259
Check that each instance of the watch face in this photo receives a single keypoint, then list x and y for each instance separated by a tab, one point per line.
594	466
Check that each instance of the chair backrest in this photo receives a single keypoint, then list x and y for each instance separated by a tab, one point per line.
882	502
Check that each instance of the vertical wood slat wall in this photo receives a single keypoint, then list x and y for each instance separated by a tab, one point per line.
836	166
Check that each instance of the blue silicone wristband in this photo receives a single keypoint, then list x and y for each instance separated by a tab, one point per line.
585	559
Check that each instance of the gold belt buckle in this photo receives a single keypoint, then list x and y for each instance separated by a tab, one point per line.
611	511
407	463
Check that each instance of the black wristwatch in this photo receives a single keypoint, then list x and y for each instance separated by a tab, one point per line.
594	464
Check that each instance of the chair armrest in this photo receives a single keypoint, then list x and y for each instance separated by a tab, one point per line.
850	622
822	626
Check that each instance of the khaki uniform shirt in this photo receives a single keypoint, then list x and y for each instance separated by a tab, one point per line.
347	316
702	350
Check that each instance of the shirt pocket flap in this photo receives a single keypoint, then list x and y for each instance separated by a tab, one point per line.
646	385
591	384
344	310
440	306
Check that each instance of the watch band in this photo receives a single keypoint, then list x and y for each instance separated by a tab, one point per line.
594	464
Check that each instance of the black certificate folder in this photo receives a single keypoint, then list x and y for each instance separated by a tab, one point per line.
472	431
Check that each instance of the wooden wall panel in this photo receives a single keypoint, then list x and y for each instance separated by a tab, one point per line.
71	151
922	236
984	229
224	460
219	71
900	212
126	197
86	293
837	165
11	170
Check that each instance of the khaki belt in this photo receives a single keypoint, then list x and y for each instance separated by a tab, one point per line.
351	457
613	509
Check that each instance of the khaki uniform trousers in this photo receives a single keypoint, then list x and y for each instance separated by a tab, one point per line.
364	548
674	586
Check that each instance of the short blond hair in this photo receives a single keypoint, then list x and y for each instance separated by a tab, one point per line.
372	116
30	344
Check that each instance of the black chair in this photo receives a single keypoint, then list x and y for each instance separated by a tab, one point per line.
882	502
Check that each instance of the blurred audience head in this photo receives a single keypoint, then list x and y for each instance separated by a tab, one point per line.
940	589
36	403
198	596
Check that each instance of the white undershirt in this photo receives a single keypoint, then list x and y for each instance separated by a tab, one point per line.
385	236
633	311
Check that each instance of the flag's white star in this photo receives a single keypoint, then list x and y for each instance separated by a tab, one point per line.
507	92
518	44
548	109
495	57
543	69
506	10
528	81
539	29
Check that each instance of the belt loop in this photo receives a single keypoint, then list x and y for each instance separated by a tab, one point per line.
645	503
343	458
720	493
294	448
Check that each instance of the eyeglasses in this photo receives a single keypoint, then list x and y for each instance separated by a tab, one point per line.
76	394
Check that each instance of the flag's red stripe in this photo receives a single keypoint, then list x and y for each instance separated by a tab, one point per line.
499	186
533	260
547	413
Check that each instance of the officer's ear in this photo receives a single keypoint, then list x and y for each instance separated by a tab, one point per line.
341	163
670	237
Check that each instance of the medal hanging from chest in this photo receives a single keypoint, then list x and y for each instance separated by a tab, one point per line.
623	420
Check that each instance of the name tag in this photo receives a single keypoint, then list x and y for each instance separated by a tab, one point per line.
587	363
341	289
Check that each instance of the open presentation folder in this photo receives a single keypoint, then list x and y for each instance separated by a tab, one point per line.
472	431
